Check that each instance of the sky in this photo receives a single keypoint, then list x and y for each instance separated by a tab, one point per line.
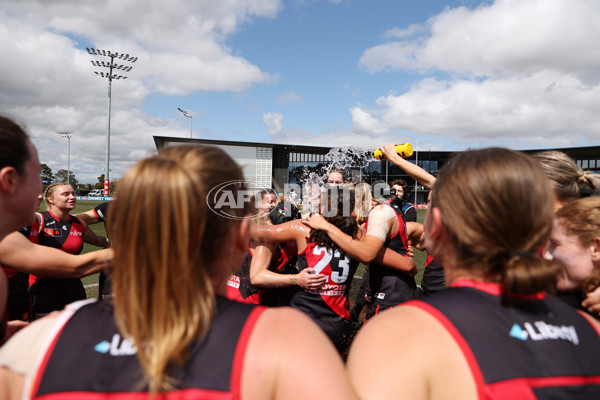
440	74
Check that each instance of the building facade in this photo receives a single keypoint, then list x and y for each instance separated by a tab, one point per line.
274	166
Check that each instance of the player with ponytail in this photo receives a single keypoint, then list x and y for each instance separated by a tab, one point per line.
496	332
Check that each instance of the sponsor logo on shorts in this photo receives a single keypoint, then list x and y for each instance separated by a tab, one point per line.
329	290
541	330
325	292
117	346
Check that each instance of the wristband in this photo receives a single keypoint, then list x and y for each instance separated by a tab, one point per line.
294	279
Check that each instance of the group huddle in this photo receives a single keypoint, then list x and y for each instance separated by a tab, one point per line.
184	320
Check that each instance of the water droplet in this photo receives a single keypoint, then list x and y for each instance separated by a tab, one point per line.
313	179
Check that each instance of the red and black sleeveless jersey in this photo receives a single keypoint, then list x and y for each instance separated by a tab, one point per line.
386	285
17	304
433	277
63	235
90	359
539	349
332	297
284	262
31	233
239	287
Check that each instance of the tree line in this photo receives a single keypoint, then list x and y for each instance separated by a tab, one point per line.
61	175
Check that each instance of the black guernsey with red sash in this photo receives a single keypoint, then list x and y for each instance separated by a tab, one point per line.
328	306
50	294
283	262
539	349
240	288
433	277
388	287
17	303
89	359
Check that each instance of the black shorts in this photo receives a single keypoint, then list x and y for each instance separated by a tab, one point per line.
45	301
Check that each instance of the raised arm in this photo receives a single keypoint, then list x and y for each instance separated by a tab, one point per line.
18	253
415	172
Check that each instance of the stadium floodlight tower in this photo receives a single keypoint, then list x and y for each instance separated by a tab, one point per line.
188	115
68	136
122	69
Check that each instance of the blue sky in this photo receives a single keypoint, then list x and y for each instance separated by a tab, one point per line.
446	74
314	48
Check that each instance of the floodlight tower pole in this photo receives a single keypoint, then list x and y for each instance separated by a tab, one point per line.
188	115
417	164
107	154
111	65
68	136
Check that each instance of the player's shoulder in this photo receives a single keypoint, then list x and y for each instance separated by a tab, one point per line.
405	330
416	351
383	210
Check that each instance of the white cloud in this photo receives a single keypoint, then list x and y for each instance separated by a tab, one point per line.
182	47
48	82
404	33
505	38
274	123
543	102
518	70
289	98
364	122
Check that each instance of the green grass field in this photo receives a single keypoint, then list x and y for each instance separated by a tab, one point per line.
420	256
91	282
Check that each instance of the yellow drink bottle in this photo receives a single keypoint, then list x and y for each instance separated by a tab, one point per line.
404	150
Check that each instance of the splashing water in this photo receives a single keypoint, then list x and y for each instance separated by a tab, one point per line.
312	191
343	158
349	157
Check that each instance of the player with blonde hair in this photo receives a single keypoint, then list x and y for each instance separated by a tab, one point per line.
169	329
